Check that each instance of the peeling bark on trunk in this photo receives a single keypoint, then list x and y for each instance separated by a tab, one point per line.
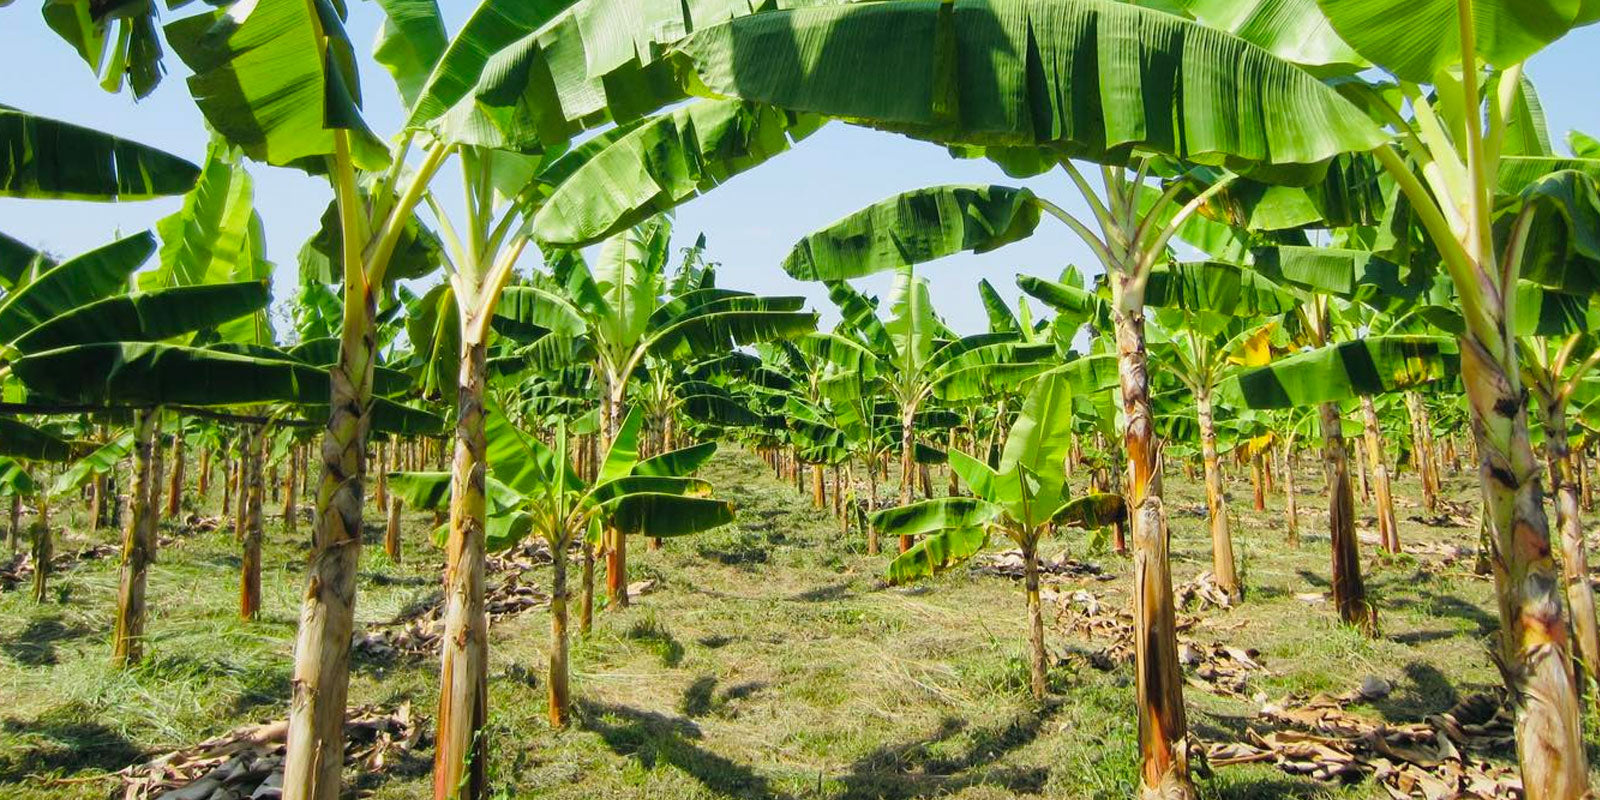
1036	660
1574	550
560	693
1534	642
1349	592
203	480
138	547
1163	724
16	521
250	562
315	751
1222	563
461	753
1388	528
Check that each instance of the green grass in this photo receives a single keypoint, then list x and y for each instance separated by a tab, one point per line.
769	661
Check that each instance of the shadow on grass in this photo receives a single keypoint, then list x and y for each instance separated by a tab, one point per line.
63	741
654	738
835	591
926	767
35	644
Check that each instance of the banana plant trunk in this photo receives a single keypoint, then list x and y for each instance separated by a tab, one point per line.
560	691
314	756
461	755
617	541
1388	529
138	547
1036	660
291	499
44	551
391	530
1222	563
202	485
1569	521
1534	637
1349	592
872	505
175	485
1258	481
1163	724
250	561
586	609
1427	462
907	465
1291	504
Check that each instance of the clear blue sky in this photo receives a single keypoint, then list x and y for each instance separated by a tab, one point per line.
750	222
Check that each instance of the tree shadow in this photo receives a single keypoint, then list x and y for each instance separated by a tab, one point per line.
35	644
1425	691
654	738
924	767
64	741
836	591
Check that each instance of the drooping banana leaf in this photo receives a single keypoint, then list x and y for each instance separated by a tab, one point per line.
912	228
74	283
103	460
21	440
930	516
1091	511
276	79
663	163
1374	365
666	515
50	159
936	553
147	316
1090	78
141	373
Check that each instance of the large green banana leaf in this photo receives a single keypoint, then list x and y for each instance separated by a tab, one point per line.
147	316
1218	288
1293	30
1374	365
410	43
938	514
139	373
277	78
913	228
21	440
74	283
46	158
665	515
1001	318
1077	304
15	480
677	463
103	460
117	39
936	553
1091	511
1416	39
1037	447
1092	78
663	163
623	454
217	235
19	262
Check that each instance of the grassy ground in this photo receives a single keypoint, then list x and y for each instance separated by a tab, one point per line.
769	662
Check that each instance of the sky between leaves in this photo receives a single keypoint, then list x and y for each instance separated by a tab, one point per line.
750	222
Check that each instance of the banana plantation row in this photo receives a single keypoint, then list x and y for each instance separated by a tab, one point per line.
1334	227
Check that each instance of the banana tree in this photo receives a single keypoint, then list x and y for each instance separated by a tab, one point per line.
534	489
1025	499
627	316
